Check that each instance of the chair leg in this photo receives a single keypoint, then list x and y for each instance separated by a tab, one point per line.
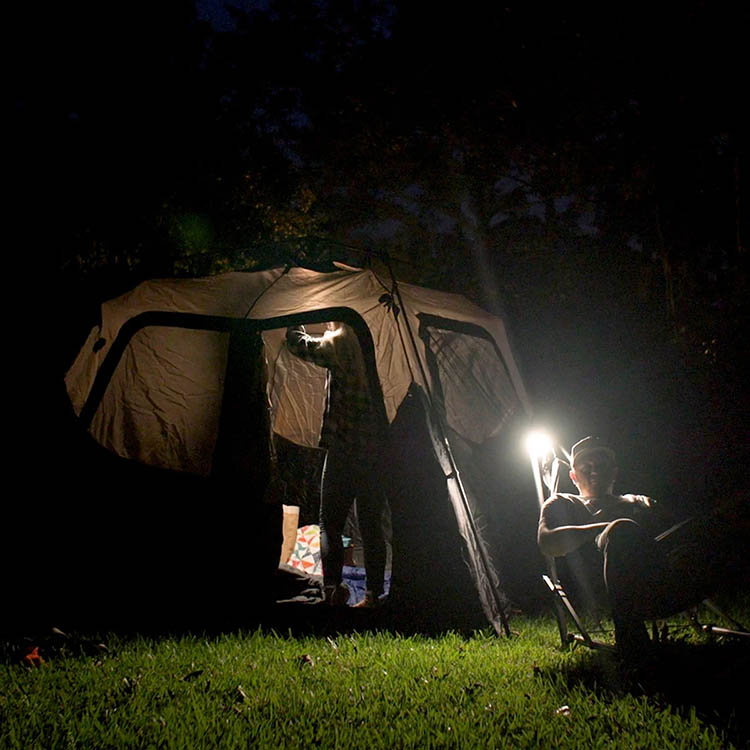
562	623
563	605
740	632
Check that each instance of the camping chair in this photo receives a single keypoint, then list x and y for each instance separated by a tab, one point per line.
565	612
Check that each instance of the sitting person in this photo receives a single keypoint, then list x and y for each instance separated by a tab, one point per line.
646	576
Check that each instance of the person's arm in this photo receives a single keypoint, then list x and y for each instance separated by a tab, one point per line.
316	349
561	540
556	539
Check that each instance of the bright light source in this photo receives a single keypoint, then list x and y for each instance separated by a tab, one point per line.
539	444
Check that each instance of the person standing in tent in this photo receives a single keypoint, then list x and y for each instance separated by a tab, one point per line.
648	575
354	437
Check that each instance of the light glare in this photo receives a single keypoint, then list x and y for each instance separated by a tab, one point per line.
332	333
539	444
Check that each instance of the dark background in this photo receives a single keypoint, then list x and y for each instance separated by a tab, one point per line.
581	171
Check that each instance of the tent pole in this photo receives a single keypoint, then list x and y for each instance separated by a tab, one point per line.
551	566
449	452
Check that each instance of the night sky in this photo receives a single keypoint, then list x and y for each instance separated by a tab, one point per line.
582	171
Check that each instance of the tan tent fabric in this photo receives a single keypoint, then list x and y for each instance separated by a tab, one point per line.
163	400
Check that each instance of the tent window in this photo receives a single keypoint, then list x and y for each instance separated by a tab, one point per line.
471	380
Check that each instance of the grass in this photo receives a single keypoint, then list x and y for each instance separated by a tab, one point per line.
368	690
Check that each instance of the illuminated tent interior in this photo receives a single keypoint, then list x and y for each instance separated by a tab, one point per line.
215	426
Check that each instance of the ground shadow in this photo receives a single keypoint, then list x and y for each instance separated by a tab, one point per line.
710	678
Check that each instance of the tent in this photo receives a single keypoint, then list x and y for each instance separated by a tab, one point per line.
191	379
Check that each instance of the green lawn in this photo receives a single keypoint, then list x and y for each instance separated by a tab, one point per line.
371	690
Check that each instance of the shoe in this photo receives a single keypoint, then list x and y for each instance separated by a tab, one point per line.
633	644
337	595
370	601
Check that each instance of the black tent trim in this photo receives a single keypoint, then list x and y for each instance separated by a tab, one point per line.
228	325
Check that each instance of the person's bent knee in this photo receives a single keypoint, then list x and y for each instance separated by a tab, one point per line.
620	532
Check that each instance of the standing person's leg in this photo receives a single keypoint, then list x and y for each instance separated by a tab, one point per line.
371	503
336	499
370	509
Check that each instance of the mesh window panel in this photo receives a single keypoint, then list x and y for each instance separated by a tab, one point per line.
477	392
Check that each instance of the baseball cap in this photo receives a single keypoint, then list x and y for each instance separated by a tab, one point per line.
589	444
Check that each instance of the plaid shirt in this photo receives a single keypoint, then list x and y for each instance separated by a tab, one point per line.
351	422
